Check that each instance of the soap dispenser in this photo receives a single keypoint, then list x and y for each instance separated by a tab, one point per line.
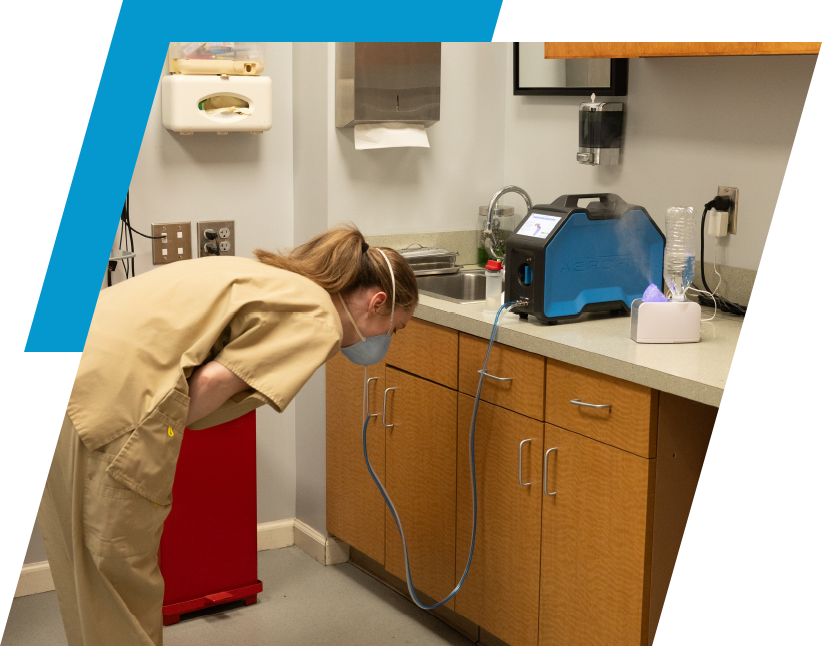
600	132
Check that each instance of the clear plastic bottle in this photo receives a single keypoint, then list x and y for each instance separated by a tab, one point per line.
493	286
680	249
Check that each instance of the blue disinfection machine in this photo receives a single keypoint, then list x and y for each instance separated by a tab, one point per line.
567	259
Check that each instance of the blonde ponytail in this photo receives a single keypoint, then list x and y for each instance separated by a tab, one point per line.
340	261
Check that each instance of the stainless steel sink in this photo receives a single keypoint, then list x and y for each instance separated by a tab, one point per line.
465	287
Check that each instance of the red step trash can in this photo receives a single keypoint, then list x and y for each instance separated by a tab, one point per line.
208	551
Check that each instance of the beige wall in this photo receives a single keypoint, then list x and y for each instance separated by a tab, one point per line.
247	178
238	176
691	124
388	191
405	190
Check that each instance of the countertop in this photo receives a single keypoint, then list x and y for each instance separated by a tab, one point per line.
600	342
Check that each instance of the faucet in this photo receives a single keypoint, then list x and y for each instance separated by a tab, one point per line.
491	240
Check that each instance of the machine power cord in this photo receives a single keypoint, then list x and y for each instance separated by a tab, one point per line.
721	203
393	509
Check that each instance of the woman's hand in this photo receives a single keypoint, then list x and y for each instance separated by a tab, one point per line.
209	387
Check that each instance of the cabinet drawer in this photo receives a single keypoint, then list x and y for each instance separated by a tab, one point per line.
524	392
426	350
629	423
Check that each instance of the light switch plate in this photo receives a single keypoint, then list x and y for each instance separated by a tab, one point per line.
225	240
732	193
175	244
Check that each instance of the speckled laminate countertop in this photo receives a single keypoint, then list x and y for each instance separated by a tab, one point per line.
696	371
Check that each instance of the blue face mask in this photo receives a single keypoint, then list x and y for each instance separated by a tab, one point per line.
371	350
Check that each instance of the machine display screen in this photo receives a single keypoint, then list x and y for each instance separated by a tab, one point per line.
539	225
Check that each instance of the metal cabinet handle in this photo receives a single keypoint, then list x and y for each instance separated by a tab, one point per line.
384	399
579	402
521	483
545	473
490	376
368	412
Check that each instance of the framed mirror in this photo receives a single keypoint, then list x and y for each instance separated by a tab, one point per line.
536	75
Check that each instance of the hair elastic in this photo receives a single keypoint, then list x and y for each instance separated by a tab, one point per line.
364	246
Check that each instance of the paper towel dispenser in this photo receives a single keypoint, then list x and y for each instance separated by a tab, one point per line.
381	82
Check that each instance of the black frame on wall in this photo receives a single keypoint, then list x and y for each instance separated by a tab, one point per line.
618	87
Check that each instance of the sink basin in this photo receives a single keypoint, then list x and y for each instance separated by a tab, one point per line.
465	287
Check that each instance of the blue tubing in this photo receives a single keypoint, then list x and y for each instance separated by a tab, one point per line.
393	509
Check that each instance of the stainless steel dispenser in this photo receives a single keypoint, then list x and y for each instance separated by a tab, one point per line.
379	82
600	132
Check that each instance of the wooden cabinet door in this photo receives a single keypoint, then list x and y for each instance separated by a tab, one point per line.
501	592
421	478
355	511
595	570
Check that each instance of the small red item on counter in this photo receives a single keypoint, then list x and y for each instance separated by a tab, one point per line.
494	265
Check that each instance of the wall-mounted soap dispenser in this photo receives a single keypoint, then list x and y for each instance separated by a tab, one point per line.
600	132
387	82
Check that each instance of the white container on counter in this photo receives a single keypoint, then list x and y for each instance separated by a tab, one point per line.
493	286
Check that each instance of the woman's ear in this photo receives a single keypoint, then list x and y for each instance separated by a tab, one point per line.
377	301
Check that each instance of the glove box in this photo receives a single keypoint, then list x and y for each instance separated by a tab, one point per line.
220	104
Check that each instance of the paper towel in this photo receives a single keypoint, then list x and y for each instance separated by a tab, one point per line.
390	135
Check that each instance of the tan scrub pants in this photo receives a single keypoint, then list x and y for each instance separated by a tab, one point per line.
102	541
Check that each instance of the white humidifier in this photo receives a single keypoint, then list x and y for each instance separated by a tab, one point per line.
655	318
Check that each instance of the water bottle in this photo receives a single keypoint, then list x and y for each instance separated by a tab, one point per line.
493	286
680	248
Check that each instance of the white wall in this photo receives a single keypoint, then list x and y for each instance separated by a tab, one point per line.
311	197
405	190
288	184
691	124
244	177
247	178
388	191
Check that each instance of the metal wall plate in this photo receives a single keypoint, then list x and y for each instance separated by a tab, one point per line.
175	244
224	243
733	193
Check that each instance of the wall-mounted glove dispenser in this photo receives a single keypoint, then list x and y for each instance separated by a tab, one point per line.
387	82
220	104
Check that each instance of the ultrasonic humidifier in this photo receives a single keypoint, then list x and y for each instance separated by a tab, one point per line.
655	318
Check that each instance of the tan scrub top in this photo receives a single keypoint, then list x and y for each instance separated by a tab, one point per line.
270	327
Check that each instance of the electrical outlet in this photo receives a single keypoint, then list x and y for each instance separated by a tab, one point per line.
222	238
733	213
175	243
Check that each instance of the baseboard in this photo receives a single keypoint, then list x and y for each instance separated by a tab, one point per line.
328	550
34	579
276	534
